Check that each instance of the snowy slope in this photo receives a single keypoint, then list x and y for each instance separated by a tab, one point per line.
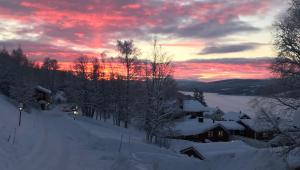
228	103
52	140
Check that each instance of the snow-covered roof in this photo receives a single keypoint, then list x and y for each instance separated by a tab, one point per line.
221	148
193	106
193	126
232	116
40	88
259	125
210	110
231	125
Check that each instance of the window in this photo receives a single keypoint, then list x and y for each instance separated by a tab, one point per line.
210	133
220	133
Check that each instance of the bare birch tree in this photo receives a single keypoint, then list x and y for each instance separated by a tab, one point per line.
158	74
287	64
128	55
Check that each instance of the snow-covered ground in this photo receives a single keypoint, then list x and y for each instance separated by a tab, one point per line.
52	140
230	103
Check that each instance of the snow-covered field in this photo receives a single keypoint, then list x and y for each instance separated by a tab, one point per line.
250	105
229	103
52	140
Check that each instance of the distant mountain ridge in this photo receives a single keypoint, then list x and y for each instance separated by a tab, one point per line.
229	86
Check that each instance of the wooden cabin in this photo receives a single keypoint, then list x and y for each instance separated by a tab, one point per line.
207	150
214	114
235	116
232	127
257	129
42	96
215	134
192	152
198	130
193	108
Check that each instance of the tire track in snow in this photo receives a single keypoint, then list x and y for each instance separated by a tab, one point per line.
50	152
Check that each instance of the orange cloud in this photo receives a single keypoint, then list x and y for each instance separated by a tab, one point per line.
216	70
211	70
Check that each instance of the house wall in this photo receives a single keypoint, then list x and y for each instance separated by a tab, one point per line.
216	136
42	97
212	135
237	132
250	133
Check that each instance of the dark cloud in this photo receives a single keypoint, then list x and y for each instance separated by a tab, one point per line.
232	48
39	50
211	29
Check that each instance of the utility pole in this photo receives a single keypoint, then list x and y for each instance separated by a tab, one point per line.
21	106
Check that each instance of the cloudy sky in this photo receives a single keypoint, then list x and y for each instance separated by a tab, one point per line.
207	39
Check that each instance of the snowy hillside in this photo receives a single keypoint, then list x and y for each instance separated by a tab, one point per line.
228	103
53	140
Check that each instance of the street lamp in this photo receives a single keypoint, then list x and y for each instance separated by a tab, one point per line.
75	112
21	107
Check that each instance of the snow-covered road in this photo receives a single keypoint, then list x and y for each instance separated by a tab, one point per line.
59	144
52	140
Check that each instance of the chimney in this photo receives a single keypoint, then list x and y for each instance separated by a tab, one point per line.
200	119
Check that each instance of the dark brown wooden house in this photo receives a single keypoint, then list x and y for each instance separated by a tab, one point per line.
193	108
257	129
42	96
215	134
198	131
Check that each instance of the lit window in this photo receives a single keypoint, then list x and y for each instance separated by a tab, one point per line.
220	133
210	133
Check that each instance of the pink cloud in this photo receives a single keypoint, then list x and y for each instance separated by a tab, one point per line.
96	24
220	69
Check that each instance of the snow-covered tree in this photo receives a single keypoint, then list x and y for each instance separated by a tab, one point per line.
157	118
49	67
198	95
79	85
287	63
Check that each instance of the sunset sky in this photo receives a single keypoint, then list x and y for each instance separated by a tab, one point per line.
207	39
